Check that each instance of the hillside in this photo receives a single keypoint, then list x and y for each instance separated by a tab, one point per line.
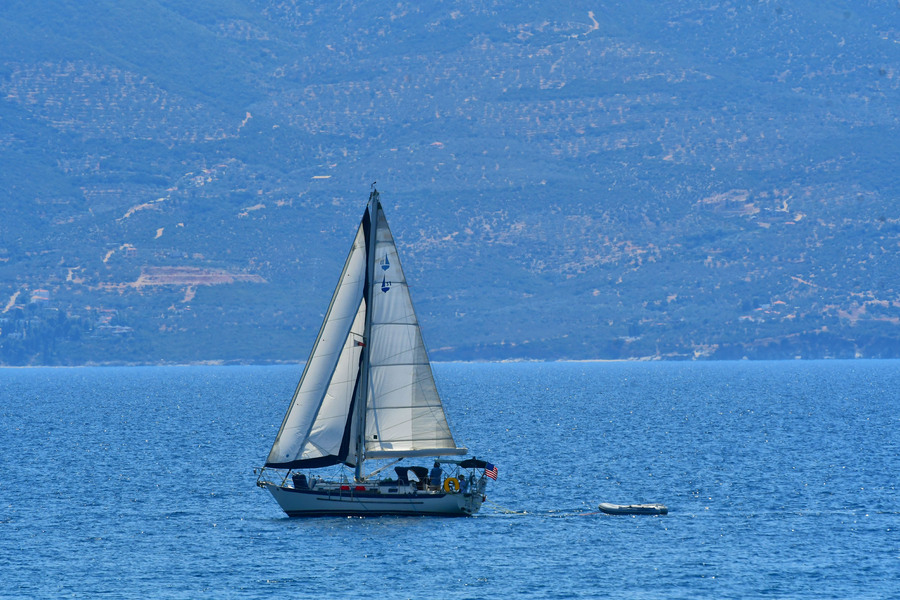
625	180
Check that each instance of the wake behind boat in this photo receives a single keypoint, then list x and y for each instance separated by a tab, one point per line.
368	393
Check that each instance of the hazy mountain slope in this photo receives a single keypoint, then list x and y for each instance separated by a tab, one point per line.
630	179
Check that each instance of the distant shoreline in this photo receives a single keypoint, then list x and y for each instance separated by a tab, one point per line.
286	363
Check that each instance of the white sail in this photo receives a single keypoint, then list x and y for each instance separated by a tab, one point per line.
367	391
317	428
404	414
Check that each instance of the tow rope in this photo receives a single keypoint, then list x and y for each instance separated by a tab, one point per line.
550	513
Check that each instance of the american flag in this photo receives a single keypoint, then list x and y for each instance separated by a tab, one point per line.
491	471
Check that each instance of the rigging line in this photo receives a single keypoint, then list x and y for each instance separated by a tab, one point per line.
401	321
557	514
404	386
432	410
406	407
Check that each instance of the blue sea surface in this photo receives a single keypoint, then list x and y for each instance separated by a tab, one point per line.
781	480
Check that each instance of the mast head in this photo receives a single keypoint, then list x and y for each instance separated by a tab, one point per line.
373	196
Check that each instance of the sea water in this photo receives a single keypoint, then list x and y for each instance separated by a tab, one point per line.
781	480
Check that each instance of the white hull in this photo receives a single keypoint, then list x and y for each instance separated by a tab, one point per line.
320	503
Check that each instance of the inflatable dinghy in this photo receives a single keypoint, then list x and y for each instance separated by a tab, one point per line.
633	509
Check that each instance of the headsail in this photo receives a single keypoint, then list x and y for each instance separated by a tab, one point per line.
403	414
317	430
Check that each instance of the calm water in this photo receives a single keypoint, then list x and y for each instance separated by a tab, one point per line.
781	480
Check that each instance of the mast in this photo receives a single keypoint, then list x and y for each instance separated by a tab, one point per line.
363	389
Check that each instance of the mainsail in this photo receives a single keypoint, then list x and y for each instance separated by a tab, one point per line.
402	414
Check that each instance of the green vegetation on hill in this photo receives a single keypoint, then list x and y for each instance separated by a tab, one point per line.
639	179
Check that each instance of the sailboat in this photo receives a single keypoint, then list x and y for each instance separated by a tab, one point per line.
368	395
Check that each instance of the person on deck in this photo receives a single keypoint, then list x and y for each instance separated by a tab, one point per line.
436	475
